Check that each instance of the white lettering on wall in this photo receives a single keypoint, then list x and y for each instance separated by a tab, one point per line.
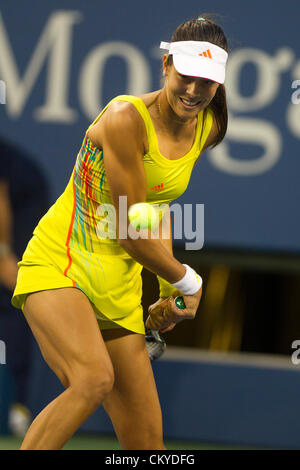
54	50
253	130
56	42
91	76
293	110
248	131
268	77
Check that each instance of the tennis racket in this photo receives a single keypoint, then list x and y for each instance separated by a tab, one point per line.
155	344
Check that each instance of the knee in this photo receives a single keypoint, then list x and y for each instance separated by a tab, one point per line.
145	438
93	386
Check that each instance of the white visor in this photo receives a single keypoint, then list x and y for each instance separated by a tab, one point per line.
198	59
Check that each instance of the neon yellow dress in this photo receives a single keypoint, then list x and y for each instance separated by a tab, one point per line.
66	251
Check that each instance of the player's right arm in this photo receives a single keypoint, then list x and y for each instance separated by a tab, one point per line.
165	236
121	136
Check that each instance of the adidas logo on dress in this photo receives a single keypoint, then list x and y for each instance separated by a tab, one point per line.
159	187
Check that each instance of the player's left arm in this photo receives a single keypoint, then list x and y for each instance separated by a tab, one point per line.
164	314
165	235
166	290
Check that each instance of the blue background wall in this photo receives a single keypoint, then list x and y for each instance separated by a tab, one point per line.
249	184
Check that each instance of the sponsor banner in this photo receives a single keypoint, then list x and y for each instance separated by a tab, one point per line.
62	64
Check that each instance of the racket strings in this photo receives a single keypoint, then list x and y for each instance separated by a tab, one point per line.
155	345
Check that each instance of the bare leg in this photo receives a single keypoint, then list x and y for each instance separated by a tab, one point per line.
65	327
133	404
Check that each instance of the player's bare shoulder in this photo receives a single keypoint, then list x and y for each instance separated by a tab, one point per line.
119	119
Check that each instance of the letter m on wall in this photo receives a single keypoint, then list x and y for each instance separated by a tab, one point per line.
55	41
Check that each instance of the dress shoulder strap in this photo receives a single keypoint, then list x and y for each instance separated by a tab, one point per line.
140	107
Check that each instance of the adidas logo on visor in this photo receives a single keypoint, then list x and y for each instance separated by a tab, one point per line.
206	54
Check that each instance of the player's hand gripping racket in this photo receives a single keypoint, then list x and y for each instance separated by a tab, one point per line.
155	344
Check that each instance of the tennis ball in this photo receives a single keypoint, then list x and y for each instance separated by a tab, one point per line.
142	215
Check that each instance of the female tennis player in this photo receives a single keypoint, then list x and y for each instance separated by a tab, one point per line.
81	292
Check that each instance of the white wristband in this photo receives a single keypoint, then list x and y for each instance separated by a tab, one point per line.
190	283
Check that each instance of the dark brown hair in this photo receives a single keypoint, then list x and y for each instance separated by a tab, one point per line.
210	31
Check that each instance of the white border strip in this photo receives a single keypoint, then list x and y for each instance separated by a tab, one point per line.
229	358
